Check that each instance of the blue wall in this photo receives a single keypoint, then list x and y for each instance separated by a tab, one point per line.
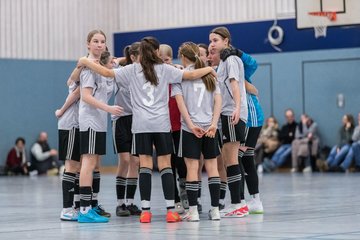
31	92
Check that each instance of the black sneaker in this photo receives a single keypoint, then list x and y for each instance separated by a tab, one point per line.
101	211
133	209
122	211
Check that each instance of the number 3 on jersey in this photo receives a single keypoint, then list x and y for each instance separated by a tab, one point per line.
201	87
150	93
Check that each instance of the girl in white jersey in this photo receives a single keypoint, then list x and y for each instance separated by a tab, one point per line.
233	116
69	149
148	83
128	165
93	126
199	102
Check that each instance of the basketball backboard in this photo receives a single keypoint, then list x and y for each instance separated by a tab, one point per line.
347	12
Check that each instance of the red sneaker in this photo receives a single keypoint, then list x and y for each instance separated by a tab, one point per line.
145	217
172	217
244	210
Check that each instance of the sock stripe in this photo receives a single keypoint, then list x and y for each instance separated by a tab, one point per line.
131	181
234	178
96	175
145	170
120	181
214	180
249	152
192	186
223	186
165	171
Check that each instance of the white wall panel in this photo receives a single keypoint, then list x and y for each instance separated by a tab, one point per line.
53	29
158	14
57	29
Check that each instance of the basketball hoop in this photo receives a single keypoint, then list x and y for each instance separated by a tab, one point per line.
322	20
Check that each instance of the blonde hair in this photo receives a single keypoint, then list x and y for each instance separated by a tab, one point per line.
191	51
166	50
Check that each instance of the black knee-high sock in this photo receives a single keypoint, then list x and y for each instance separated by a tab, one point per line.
120	189
251	177
145	187
214	188
240	156
167	180
199	192
68	184
223	187
77	191
192	192
234	182
95	188
85	199
131	184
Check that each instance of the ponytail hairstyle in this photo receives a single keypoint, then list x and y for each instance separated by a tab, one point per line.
133	49
191	51
127	55
149	57
104	58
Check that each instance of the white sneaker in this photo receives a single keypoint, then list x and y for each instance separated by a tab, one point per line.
307	170
293	170
233	211
191	216
179	208
214	214
69	214
255	207
260	168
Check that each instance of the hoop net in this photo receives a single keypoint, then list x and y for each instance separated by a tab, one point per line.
322	20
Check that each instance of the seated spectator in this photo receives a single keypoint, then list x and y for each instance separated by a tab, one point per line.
16	159
354	151
268	141
305	145
43	158
286	136
339	151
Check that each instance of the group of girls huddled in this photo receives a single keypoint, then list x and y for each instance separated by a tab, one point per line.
204	112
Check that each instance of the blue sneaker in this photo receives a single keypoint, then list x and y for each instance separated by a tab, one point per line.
91	217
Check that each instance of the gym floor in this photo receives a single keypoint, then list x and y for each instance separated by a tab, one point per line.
297	206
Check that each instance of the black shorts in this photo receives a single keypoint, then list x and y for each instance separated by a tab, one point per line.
69	144
192	146
252	135
92	142
143	143
122	136
232	133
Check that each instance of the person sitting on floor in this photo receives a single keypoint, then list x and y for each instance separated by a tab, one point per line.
305	145
16	159
43	158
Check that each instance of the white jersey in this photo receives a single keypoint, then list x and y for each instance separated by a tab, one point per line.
123	99
199	101
70	118
149	102
89	116
232	68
